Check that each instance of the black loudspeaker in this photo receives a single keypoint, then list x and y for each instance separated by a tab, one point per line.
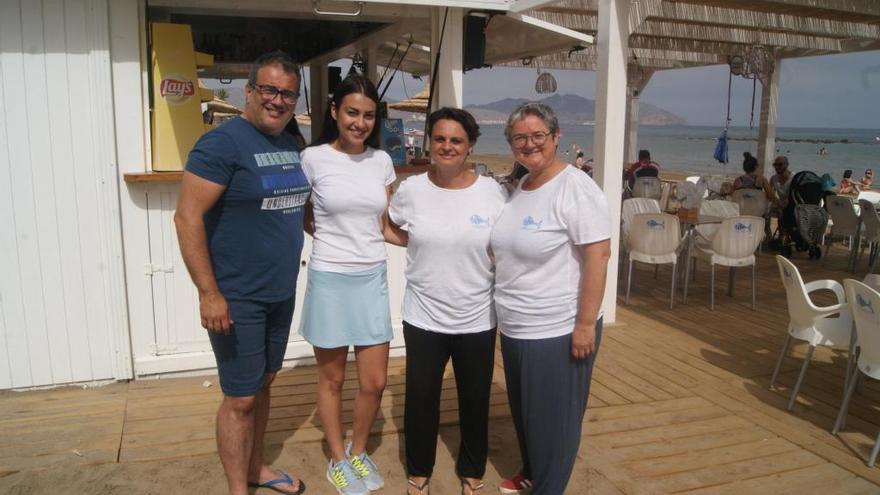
475	41
334	77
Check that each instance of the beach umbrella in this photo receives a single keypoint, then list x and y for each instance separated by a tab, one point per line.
416	104
721	148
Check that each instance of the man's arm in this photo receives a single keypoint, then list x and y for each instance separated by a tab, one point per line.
595	264
197	196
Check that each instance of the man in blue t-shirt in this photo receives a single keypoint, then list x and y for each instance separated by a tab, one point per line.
240	226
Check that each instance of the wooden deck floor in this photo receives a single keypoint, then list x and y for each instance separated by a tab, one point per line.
680	403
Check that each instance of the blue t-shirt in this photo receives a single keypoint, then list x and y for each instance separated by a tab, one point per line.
255	230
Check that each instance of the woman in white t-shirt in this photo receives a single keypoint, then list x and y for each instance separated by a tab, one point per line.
551	245
448	214
346	299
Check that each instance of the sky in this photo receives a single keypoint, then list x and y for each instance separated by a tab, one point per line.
841	91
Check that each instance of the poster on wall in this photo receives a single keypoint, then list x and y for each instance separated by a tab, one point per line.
392	140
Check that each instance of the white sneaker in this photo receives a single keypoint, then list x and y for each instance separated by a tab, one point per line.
365	469
344	478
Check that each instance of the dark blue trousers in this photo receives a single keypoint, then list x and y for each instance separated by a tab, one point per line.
548	390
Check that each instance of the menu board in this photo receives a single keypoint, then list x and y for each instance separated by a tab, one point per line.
393	140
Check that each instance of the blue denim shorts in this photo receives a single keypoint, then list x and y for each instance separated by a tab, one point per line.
255	345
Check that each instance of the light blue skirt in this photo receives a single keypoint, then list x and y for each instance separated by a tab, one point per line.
346	309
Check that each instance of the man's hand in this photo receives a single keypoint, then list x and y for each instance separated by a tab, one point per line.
215	312
583	340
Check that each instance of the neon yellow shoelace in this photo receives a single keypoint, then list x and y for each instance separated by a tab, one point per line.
359	466
338	477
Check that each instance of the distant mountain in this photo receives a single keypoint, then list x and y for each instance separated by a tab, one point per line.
570	109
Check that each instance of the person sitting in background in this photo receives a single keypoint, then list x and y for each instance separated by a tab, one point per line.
645	167
584	164
751	179
847	185
779	184
867	181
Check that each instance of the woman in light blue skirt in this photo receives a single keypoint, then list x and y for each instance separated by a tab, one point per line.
346	299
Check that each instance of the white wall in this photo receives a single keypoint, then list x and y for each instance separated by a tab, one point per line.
62	291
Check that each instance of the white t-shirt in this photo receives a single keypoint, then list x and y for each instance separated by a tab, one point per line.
538	265
349	198
449	272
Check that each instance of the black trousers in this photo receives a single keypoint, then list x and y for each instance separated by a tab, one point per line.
473	359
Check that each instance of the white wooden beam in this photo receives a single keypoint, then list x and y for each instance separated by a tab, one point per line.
608	135
523	5
129	106
448	74
638	78
767	128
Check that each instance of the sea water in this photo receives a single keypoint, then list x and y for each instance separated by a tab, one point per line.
690	148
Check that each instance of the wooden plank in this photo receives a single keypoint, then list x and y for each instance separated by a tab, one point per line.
710	457
153	177
692	415
719	474
48	310
723	436
20	236
795	482
87	161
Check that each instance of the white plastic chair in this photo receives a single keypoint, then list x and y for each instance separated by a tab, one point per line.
864	303
647	187
733	246
654	238
695	179
752	202
870	231
872	196
844	219
715	208
634	206
818	325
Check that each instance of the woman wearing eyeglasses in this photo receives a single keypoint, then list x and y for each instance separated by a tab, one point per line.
346	299
551	245
448	213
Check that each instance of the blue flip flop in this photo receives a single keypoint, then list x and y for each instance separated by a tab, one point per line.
284	478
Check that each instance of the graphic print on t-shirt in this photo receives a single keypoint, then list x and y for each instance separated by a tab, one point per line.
289	189
479	222
530	223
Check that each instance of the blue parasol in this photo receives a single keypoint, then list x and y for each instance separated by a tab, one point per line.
721	148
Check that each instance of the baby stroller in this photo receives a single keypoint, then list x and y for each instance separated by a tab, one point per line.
803	220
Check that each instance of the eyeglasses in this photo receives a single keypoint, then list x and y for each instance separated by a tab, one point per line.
538	138
269	92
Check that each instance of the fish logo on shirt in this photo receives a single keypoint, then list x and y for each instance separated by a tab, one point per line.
864	304
530	223
479	222
654	224
740	227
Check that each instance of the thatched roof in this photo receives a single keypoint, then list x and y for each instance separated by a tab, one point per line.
416	104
